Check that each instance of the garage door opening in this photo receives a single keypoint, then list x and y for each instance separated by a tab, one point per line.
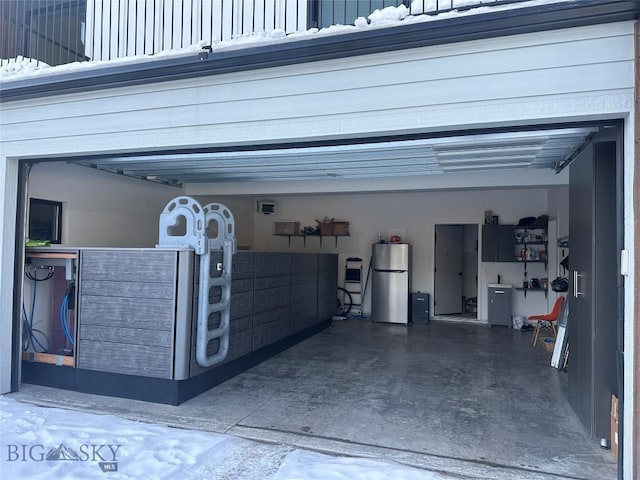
103	211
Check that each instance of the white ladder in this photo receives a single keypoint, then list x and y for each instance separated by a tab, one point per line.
197	221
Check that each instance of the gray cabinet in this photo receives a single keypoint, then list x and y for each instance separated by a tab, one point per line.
594	279
498	243
500	305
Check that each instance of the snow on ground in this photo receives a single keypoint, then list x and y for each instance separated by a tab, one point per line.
14	69
44	443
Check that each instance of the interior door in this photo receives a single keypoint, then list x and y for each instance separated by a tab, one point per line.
447	290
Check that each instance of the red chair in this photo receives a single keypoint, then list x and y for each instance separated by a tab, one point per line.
549	317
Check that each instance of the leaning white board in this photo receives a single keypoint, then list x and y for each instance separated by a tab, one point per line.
561	339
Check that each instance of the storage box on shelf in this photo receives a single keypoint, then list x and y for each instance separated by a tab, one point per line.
287	228
325	228
340	228
333	227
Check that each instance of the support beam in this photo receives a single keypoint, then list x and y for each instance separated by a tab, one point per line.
8	208
634	422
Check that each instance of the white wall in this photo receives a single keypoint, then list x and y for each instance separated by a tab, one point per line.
470	254
243	210
559	209
101	209
413	215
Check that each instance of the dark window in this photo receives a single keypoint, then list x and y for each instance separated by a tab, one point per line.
51	31
45	220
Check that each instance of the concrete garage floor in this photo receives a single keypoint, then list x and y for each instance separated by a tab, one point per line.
464	399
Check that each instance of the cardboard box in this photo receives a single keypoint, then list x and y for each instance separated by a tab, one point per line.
548	343
341	228
287	228
326	228
614	427
333	228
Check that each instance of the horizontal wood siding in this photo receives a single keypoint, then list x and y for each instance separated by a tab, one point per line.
140	313
304	288
112	288
125	335
304	263
143	360
272	264
242	285
327	286
268	333
304	291
271	298
240	324
261	283
149	266
562	74
241	305
240	344
127	312
274	295
242	265
271	316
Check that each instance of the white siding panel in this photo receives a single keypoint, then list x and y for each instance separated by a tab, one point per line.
411	76
503	80
517	85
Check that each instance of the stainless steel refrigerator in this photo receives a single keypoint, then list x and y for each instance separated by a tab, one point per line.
390	282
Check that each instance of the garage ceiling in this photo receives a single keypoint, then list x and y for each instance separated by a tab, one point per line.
540	149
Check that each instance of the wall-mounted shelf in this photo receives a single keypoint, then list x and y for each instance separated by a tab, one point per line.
304	237
531	246
525	290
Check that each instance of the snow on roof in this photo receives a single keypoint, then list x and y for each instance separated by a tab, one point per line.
20	68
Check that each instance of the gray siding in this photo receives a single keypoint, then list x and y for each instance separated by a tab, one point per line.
128	303
127	312
274	295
